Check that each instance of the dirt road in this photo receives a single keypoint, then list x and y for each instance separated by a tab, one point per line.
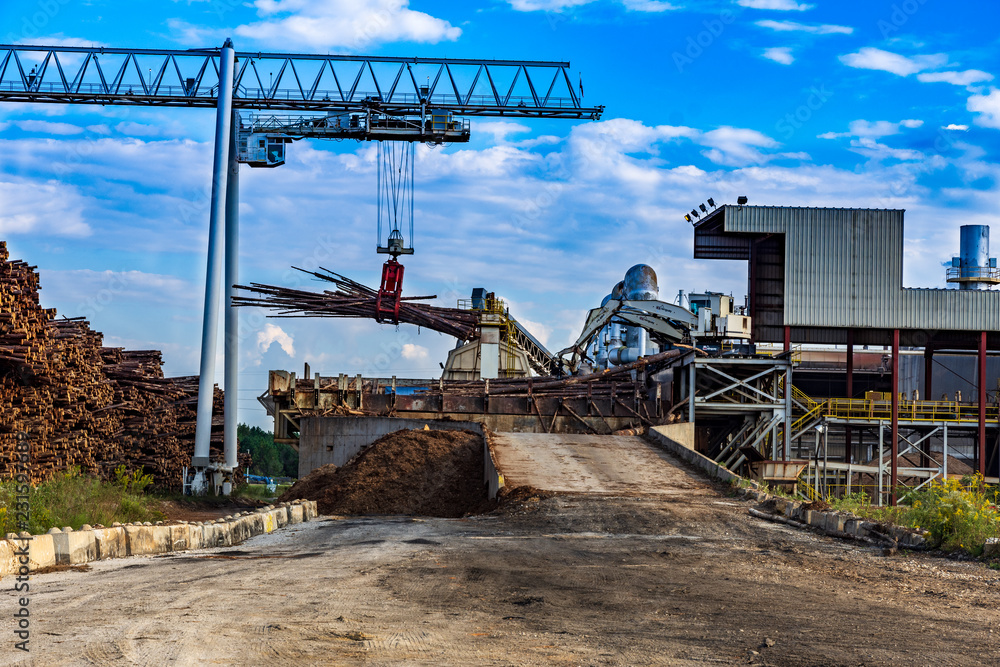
683	579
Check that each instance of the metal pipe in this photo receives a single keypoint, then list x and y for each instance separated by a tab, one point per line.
894	445
975	254
232	270
692	383
787	430
881	461
982	403
848	440
210	320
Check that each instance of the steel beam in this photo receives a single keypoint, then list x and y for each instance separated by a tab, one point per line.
232	272
395	92
982	403
213	278
894	445
848	449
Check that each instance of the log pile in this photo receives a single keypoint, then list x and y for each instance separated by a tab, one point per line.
83	405
352	299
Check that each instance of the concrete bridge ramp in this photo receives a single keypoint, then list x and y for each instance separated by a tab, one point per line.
589	464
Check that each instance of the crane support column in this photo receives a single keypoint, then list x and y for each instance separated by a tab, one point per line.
210	322
232	271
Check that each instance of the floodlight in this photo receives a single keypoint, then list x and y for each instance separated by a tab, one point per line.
741	200
711	202
703	209
687	217
695	213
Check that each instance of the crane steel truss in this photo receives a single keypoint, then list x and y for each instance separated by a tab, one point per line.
385	90
290	82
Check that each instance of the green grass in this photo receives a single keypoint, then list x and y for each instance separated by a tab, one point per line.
73	499
259	491
959	515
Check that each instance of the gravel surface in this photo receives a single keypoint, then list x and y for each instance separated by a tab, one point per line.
687	578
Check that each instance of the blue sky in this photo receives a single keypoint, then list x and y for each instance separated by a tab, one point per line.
866	104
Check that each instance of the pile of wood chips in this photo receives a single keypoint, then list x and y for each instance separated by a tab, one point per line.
83	405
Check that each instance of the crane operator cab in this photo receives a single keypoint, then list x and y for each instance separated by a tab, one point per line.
263	150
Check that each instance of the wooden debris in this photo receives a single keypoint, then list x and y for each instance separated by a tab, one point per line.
352	299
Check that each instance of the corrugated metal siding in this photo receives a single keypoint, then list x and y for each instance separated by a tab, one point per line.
844	268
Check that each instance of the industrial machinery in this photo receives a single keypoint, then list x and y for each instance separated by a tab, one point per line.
974	269
632	323
334	97
502	348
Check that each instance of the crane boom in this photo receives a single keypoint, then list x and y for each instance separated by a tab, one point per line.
290	82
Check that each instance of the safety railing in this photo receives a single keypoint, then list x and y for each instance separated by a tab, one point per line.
930	411
985	273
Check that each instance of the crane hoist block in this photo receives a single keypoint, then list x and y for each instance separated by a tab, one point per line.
390	292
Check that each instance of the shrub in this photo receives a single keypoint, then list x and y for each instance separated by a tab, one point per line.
959	514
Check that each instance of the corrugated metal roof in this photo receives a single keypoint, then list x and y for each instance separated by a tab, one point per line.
844	268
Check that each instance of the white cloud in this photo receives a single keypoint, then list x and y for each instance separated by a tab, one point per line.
414	352
85	292
351	24
557	6
879	128
988	108
272	333
877	59
736	147
59	39
545	5
966	78
137	129
870	148
34	207
780	54
653	6
194	35
815	29
498	128
956	128
46	127
783	5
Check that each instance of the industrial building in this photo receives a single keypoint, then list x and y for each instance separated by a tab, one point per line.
825	380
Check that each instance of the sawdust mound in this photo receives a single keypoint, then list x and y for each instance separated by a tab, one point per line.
428	473
313	483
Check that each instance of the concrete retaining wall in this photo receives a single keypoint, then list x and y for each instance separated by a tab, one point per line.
491	474
838	524
336	440
73	547
680	443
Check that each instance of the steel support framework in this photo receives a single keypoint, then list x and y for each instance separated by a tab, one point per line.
290	82
749	399
227	80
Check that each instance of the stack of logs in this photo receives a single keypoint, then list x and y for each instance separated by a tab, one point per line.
83	405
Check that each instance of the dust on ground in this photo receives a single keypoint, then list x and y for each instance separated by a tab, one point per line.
684	579
411	472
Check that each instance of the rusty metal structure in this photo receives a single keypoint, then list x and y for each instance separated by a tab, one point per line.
833	276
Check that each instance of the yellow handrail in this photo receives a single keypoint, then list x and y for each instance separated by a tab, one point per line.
930	411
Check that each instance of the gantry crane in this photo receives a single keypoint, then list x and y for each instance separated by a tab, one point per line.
333	96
